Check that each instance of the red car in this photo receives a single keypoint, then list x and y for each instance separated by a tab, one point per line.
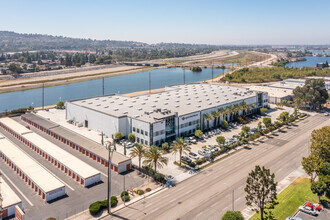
314	206
28	127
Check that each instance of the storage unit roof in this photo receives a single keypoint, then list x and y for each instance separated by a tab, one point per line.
15	126
183	99
30	167
73	163
78	139
9	197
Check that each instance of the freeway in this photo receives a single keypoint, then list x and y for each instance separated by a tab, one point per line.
209	194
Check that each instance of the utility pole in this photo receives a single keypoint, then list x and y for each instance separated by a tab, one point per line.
212	72
43	96
124	191
103	86
110	152
149	82
184	76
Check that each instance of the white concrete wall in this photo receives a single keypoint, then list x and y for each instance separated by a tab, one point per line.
122	166
11	209
55	194
96	121
159	126
141	126
189	118
92	180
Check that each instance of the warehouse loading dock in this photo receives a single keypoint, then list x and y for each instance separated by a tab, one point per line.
9	200
83	173
40	180
89	148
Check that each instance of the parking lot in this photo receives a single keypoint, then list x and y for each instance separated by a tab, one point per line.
78	198
324	215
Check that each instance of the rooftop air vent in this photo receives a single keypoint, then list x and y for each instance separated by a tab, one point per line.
116	109
139	109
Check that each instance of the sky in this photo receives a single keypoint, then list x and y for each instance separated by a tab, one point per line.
180	21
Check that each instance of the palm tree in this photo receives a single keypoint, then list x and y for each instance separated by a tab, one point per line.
154	157
232	110
226	111
138	151
216	115
244	107
208	117
180	145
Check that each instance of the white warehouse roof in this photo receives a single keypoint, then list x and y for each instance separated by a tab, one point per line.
14	125
30	167
8	195
73	163
272	92
183	99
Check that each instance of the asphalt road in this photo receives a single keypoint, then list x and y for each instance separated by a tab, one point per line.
209	194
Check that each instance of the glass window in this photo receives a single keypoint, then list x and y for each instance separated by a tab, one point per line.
146	142
138	130
137	139
133	128
141	131
146	133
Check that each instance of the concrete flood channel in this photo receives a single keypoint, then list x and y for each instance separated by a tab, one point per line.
117	84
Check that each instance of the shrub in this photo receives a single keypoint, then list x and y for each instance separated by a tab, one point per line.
244	141
224	124
140	192
51	218
198	133
148	189
192	164
232	215
125	198
292	118
277	124
131	137
263	111
123	193
267	122
118	135
114	201
95	207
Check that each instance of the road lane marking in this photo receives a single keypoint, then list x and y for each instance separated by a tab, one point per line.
2	173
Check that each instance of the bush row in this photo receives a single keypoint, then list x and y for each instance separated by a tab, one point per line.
97	206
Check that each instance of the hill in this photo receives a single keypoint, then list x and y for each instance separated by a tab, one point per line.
15	42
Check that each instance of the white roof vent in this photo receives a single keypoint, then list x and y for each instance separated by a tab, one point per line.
125	113
106	107
143	103
177	106
116	109
130	106
120	103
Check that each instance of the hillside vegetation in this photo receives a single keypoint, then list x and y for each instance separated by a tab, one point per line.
259	75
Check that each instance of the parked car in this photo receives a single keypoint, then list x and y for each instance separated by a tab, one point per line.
187	159
293	218
326	114
308	210
201	152
193	140
193	155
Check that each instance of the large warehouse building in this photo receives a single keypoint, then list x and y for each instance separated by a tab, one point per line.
159	117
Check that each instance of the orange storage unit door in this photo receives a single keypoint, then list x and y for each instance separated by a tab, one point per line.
128	166
4	213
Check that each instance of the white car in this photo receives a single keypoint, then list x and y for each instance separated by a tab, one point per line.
308	210
193	155
326	114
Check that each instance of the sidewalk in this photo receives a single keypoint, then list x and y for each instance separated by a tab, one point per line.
85	215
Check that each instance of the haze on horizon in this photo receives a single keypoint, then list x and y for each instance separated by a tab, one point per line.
202	22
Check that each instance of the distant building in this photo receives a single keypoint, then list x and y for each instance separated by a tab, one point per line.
323	65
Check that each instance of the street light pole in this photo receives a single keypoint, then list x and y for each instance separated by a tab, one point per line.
110	151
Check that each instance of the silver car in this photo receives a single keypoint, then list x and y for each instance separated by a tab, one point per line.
308	210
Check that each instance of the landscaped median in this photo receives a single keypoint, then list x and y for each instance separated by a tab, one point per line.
291	198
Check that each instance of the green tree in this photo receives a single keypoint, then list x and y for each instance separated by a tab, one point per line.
284	116
221	140
165	146
313	93
260	189
318	188
311	165
224	124
208	117
138	151
154	157
60	104
267	122
216	115
263	111
180	145
232	215
320	143
131	137
198	133
118	136
245	130
259	126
